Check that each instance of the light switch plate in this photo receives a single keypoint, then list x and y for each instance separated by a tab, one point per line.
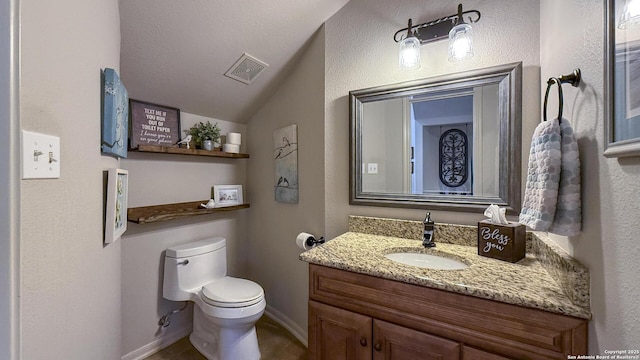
40	156
372	168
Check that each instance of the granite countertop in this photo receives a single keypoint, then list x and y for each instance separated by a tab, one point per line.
542	280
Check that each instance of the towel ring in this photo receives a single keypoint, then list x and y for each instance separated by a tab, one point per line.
550	82
573	79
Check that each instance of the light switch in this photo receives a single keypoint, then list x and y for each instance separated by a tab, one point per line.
372	168
40	156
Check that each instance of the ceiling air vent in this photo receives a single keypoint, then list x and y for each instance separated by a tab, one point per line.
246	69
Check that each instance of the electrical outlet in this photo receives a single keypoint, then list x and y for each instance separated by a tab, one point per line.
40	156
372	168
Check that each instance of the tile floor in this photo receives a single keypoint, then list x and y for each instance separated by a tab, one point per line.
275	343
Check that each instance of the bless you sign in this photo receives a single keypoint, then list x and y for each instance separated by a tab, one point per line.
503	242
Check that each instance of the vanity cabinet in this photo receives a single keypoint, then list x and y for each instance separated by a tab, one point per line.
341	334
469	353
338	334
356	316
393	342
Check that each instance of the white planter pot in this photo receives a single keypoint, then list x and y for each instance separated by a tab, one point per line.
207	145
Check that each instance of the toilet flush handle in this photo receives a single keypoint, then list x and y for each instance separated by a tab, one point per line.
186	262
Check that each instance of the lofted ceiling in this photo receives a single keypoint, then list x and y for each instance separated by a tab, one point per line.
175	53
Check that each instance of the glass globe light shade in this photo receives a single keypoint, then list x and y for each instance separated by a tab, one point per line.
410	53
460	42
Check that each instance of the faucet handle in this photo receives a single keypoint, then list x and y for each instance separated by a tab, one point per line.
427	219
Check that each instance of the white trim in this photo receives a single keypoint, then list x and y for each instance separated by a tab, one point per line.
477	155
295	330
406	149
9	179
158	344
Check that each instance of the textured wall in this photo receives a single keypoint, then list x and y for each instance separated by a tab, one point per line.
162	179
608	244
360	53
70	282
272	253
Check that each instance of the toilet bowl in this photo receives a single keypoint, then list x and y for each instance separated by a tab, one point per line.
226	308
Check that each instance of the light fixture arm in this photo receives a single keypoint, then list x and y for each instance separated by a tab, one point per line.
460	19
409	28
474	17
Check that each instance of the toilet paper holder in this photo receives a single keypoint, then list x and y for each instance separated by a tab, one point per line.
311	241
307	241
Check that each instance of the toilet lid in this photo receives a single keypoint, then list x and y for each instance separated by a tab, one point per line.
232	292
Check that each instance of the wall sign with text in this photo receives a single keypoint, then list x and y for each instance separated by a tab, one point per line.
153	124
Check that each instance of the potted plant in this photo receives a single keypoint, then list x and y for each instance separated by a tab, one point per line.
205	134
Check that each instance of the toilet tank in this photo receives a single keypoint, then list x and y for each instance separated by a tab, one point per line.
190	266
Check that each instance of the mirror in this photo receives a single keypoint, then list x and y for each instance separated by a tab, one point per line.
451	142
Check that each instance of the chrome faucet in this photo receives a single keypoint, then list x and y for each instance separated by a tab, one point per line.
427	233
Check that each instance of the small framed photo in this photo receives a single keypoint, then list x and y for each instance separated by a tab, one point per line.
154	125
116	215
115	115
227	195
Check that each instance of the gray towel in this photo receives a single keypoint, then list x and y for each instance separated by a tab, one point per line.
552	195
543	178
568	218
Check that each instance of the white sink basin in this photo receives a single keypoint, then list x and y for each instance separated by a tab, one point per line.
427	261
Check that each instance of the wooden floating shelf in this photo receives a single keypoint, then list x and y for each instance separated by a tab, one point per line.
185	151
156	213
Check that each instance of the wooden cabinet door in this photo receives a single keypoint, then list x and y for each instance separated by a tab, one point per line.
469	353
336	334
393	342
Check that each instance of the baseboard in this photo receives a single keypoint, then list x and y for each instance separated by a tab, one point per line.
158	344
170	338
295	330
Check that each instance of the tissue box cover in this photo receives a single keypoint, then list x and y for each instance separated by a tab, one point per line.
503	242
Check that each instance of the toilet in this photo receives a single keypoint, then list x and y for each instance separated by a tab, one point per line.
226	308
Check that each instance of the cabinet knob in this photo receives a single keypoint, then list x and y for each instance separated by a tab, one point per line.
377	347
363	341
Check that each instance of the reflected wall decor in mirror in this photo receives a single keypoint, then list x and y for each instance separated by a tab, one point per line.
451	142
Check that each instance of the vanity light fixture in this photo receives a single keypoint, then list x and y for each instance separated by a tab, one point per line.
453	27
630	15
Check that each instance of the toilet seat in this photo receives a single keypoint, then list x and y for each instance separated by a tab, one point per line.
230	292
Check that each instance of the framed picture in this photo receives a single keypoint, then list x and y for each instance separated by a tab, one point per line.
115	114
227	195
153	124
116	210
622	81
285	157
